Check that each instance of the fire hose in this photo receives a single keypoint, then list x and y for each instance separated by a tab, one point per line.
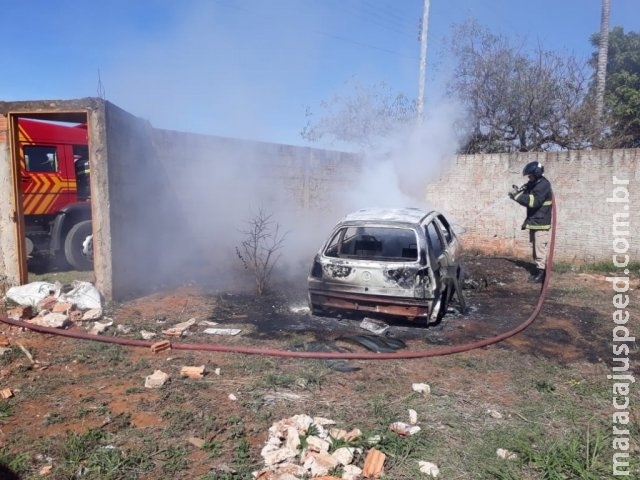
318	355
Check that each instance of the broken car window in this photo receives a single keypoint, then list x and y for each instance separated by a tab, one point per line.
435	242
381	243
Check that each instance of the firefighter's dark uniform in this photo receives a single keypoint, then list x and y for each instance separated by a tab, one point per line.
537	197
82	178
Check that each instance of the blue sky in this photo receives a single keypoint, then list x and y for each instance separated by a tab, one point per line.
250	68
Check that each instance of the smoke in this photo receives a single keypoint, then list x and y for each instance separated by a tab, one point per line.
221	186
206	80
396	174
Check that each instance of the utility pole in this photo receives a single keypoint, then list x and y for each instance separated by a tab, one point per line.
423	59
601	74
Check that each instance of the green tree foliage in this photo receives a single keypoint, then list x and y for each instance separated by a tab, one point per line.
516	100
622	90
361	117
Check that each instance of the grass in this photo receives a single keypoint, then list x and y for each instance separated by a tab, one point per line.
543	425
594	267
86	413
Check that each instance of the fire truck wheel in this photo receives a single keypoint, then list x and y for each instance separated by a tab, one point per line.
73	246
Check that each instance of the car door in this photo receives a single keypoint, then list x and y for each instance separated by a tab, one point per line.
453	251
452	243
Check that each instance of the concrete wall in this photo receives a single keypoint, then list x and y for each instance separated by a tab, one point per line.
215	185
473	191
9	241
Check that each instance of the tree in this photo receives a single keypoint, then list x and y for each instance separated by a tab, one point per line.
362	117
258	251
622	90
517	101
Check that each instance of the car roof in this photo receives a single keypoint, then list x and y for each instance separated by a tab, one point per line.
387	215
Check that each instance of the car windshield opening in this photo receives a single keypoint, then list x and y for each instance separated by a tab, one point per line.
374	243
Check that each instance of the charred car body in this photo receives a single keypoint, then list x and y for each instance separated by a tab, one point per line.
400	262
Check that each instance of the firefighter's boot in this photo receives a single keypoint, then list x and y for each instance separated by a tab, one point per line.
538	277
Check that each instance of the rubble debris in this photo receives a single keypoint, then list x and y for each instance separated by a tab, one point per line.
506	454
351	472
52	320
146	335
92	314
156	379
160	346
232	397
422	388
100	327
45	470
75	316
208	323
404	429
179	329
4	341
6	393
374	326
196	442
373	464
192	372
222	331
23	312
494	413
413	417
429	468
123	329
47	303
62	307
286	454
340	434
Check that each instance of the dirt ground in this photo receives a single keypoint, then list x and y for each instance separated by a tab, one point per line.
74	385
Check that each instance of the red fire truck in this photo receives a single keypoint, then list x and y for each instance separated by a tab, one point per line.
54	178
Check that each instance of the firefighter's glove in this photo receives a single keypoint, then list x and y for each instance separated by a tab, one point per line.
514	191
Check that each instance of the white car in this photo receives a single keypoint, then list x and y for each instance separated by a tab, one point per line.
400	262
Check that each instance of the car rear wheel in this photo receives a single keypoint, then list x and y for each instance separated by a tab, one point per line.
73	246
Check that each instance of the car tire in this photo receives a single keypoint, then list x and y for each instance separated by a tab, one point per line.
73	246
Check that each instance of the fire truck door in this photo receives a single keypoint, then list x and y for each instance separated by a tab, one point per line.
45	178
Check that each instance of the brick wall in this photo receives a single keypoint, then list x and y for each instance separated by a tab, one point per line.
473	191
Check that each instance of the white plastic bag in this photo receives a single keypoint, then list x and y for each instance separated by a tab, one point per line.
31	293
83	295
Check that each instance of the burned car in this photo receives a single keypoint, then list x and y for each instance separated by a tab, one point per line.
399	262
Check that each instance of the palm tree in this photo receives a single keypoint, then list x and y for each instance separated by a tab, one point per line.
601	74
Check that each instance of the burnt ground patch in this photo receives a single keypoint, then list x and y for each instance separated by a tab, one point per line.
498	295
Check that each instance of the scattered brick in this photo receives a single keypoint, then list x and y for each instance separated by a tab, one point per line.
20	313
160	346
373	464
62	307
192	372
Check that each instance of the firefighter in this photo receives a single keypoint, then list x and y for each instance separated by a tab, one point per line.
81	166
536	195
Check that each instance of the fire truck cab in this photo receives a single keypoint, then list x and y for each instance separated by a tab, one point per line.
54	180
